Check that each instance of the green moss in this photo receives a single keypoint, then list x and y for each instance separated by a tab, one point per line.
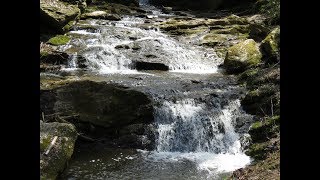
68	26
242	56
43	53
258	101
174	24
59	40
258	151
58	15
221	52
245	51
248	74
234	30
256	125
215	37
44	143
212	39
188	32
261	131
234	19
54	163
271	43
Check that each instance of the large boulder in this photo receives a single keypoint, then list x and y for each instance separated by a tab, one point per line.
117	114
103	104
270	46
242	56
54	162
59	16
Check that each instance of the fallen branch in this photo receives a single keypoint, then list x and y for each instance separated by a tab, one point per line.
51	145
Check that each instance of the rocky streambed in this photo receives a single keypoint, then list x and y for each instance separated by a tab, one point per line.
148	94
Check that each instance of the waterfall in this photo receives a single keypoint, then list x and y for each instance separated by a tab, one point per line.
194	134
107	50
190	130
185	126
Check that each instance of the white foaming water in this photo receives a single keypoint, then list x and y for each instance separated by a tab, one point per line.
105	58
187	130
210	162
72	63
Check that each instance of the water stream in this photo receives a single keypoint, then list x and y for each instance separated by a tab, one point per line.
195	134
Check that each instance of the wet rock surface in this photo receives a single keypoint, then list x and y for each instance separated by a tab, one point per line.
54	160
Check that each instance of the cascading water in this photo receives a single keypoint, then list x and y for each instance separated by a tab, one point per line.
190	130
107	50
194	139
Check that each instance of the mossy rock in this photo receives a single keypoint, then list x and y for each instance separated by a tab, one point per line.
48	55
59	16
233	30
265	76
270	46
234	19
221	52
188	32
188	23
213	39
229	20
53	164
59	40
258	151
261	100
242	56
256	77
261	131
248	75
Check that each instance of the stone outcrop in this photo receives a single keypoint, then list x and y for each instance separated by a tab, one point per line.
54	162
57	15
